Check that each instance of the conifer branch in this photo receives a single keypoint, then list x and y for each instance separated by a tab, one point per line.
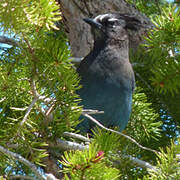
68	145
21	177
28	111
141	163
24	161
9	41
3	99
117	132
76	136
35	93
34	89
76	60
92	111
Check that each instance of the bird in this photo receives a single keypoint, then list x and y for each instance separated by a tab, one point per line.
106	74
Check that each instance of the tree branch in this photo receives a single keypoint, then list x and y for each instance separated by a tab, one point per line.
51	177
36	98
92	111
145	83
35	93
76	136
9	41
76	60
28	111
117	132
50	102
24	161
68	145
33	87
141	163
21	177
3	99
18	109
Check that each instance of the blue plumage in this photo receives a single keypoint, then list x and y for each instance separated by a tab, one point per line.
106	74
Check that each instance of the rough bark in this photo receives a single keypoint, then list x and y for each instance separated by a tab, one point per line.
79	33
80	36
52	167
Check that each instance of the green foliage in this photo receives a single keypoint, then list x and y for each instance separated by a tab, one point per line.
167	164
148	7
88	164
36	78
157	65
143	124
28	16
143	127
38	100
106	141
163	47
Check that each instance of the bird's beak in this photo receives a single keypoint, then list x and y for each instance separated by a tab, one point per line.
93	23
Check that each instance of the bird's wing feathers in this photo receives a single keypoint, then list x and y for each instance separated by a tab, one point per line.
118	73
106	73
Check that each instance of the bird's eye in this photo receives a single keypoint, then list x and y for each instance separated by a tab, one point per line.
112	22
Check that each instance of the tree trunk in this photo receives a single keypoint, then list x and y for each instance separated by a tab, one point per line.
79	33
80	37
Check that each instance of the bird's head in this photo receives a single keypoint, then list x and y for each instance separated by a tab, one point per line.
112	26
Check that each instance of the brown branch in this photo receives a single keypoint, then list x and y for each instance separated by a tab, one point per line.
31	50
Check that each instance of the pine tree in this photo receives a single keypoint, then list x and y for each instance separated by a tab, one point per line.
39	105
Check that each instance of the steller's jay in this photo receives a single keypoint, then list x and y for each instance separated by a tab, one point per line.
107	77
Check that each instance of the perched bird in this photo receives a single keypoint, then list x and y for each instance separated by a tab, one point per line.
107	76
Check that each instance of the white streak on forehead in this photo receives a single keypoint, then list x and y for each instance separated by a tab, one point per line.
101	17
113	19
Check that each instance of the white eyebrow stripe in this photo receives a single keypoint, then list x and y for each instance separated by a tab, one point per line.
112	19
102	16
